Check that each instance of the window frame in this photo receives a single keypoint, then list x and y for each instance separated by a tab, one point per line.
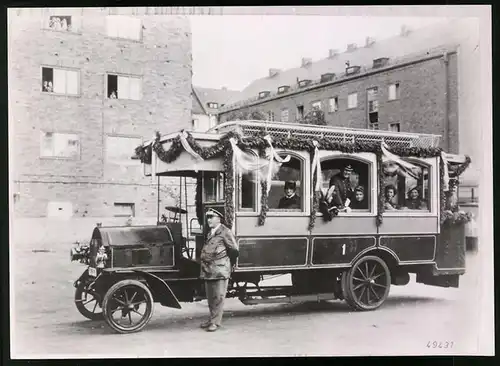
356	106
219	194
432	165
118	74
238	191
371	160
303	157
287	115
336	98
316	102
141	30
397	91
64	132
394	124
124	204
114	162
74	69
46	23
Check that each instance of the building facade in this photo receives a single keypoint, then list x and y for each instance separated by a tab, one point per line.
86	86
206	104
414	82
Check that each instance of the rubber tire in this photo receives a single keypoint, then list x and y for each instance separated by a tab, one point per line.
108	296
348	296
80	289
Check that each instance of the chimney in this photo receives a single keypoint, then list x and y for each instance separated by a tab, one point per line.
369	41
404	31
351	47
332	53
306	61
273	72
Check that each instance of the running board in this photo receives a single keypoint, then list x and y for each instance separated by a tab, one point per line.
289	299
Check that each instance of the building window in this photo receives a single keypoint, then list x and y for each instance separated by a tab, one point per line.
406	187
300	112
212	105
119	26
124	209
352	100
120	150
394	127
60	81
194	123
374	126
316	105
124	87
287	186
333	104
63	23
372	100
284	115
270	116
59	145
393	91
283	89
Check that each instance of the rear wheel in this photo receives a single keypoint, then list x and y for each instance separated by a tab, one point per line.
366	285
128	306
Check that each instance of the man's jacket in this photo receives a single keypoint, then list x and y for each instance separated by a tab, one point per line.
217	253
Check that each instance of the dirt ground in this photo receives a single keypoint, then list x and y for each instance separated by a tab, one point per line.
46	324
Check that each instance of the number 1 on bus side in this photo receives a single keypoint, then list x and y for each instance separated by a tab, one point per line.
343	249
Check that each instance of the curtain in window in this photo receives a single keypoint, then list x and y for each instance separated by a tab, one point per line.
123	87
72	82
59	81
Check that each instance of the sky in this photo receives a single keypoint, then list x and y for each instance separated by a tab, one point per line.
233	50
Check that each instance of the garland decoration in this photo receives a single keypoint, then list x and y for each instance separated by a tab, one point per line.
264	205
198	200
450	218
259	141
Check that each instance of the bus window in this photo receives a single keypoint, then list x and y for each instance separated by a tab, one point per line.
213	186
247	188
287	191
406	188
346	182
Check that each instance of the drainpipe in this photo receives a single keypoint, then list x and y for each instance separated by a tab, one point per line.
447	101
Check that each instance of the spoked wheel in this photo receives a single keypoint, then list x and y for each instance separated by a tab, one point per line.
88	302
365	286
128	306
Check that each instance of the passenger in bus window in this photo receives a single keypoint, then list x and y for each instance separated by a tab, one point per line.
414	200
390	198
359	202
343	190
290	200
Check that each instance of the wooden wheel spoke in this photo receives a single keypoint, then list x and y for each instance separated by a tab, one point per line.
135	311
126	296
118	300
379	285
377	276
360	271
138	303
87	302
375	293
358	279
115	310
358	286
133	296
366	267
93	310
362	293
130	317
373	270
368	296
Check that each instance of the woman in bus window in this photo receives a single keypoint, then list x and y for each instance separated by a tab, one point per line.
414	201
390	198
359	202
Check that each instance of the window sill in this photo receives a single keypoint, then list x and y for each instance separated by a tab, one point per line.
392	100
58	158
123	100
351	108
76	33
61	94
287	213
409	213
125	39
352	214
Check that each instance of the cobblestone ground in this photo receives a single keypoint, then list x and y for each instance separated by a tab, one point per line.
46	323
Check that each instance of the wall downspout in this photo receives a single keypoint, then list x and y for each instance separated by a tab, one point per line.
447	101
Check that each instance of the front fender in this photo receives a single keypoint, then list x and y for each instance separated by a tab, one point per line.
160	290
83	277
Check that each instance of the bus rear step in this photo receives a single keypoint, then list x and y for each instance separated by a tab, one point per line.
288	299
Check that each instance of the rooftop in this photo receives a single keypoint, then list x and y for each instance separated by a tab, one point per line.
395	49
218	96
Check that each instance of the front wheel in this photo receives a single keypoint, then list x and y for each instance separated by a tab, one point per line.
88	302
128	306
365	286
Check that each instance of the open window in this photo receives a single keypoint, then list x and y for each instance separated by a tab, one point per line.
348	181
407	187
287	186
213	187
248	187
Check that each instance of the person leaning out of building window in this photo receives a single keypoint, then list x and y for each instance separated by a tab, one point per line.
359	202
290	200
390	198
218	257
414	200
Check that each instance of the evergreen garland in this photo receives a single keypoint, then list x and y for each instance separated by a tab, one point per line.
223	148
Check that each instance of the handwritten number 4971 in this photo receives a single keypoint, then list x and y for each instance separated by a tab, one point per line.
436	344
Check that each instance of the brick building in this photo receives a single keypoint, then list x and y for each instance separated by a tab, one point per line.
419	81
86	86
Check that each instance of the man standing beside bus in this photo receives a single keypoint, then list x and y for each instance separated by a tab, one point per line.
217	259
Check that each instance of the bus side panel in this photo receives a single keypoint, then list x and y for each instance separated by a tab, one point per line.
409	225
345	225
450	253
